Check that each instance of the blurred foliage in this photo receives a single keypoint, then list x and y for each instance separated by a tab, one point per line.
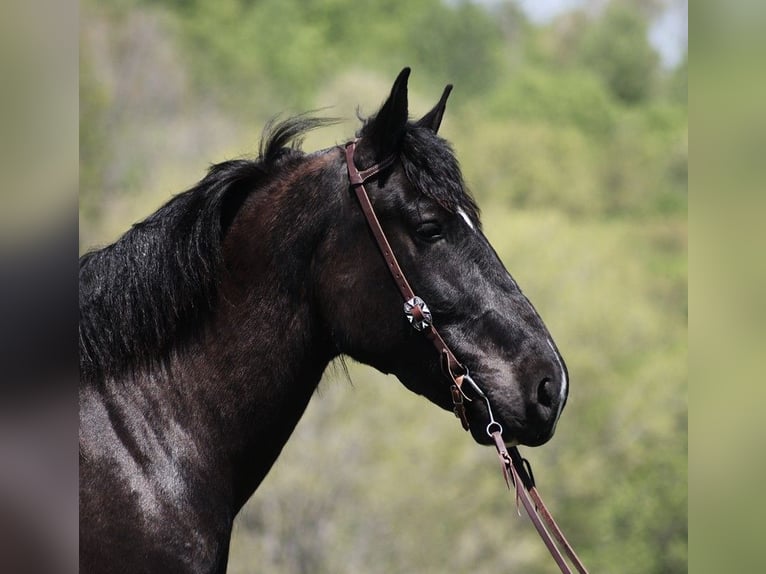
574	141
618	49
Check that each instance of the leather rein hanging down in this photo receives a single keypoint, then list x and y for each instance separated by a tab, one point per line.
515	468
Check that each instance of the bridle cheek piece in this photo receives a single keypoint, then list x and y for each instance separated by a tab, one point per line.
515	468
418	313
415	309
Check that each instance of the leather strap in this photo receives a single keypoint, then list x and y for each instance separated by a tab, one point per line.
554	528
450	365
357	179
515	472
513	465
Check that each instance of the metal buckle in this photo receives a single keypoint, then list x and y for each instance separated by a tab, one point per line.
417	313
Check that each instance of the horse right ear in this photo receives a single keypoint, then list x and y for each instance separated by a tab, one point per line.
384	130
433	119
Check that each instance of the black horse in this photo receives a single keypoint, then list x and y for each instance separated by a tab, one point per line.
205	329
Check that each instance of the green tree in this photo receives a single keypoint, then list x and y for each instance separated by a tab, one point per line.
618	49
460	44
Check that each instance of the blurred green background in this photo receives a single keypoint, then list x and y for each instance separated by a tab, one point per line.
572	132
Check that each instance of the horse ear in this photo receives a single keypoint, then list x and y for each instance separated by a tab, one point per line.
385	129
433	119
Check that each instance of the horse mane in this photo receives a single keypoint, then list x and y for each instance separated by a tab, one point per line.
432	168
430	165
151	289
145	292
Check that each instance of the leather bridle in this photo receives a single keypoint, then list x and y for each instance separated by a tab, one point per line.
515	468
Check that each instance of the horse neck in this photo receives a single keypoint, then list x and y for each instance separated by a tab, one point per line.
263	354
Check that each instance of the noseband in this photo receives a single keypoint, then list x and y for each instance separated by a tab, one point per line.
515	468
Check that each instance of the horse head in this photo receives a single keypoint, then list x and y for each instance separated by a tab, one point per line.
433	227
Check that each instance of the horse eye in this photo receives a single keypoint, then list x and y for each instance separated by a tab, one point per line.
430	231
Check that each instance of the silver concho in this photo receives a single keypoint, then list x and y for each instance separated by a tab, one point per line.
421	323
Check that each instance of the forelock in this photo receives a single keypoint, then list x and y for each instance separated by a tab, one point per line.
432	168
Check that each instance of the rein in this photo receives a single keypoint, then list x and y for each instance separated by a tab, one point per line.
515	468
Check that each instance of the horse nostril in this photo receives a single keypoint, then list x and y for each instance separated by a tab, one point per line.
545	393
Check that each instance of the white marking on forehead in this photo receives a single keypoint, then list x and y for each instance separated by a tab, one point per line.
465	217
564	382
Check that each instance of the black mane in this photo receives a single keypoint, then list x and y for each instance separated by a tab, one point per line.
144	293
146	290
431	166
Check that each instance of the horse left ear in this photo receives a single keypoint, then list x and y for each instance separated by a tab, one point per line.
385	130
433	119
